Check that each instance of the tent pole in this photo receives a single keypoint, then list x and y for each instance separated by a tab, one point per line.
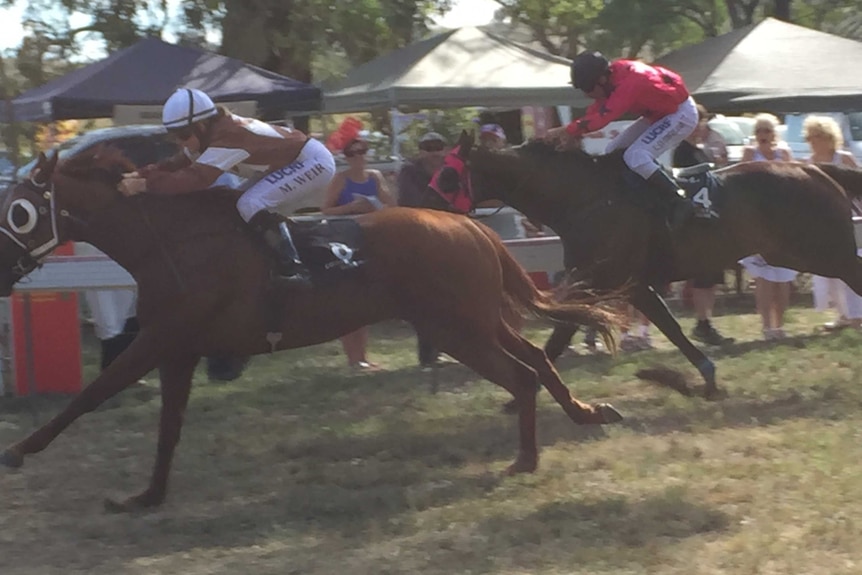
393	120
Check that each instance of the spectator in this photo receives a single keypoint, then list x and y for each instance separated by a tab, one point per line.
635	336
415	175
114	320
771	284
823	135
413	180
690	152
356	190
491	133
493	137
713	142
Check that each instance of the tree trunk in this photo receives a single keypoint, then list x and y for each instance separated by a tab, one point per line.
271	22
782	10
741	12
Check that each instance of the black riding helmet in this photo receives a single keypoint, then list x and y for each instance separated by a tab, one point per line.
587	68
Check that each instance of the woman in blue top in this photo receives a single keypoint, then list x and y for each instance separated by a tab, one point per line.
356	190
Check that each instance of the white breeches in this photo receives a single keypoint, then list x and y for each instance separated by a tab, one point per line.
645	140
286	189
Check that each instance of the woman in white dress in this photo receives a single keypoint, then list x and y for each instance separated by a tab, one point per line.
771	284
823	135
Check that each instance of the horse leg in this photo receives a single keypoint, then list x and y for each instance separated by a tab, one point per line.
490	360
560	339
556	344
134	363
175	378
648	302
579	412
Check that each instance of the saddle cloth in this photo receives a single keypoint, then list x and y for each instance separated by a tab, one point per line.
331	249
700	185
702	188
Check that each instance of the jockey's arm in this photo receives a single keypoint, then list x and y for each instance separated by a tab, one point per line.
602	113
200	174
189	179
176	162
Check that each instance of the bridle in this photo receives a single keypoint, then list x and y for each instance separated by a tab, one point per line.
33	256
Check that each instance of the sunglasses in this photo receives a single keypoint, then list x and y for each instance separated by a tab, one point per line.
432	146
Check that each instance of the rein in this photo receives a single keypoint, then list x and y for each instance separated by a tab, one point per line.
162	248
578	212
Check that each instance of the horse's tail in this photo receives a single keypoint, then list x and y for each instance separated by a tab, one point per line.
848	178
573	306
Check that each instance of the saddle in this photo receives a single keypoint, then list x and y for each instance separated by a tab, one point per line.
699	183
332	249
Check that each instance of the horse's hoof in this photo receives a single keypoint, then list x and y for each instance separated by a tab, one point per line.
10	459
608	413
130	505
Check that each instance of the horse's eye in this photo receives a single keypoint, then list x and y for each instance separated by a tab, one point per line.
22	217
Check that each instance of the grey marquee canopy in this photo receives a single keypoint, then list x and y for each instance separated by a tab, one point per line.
460	67
772	66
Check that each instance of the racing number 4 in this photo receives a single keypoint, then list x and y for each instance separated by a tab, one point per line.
702	198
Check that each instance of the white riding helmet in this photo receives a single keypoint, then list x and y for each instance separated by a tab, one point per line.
185	107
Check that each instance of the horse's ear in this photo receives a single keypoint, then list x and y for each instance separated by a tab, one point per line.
465	143
44	169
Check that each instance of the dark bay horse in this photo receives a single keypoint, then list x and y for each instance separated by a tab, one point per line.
794	214
204	288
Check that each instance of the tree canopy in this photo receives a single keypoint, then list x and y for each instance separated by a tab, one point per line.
635	28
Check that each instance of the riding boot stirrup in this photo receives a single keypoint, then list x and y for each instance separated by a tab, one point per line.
276	234
293	271
679	209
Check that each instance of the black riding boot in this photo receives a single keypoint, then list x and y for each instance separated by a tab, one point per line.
275	233
679	209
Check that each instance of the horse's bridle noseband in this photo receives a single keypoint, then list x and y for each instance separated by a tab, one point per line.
32	257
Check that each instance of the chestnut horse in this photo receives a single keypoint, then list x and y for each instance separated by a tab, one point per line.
794	214
204	287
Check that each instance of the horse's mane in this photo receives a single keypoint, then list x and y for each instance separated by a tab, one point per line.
850	178
104	163
540	149
107	164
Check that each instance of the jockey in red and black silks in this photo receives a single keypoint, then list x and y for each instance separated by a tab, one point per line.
452	182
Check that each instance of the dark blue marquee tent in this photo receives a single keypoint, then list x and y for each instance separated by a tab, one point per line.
148	72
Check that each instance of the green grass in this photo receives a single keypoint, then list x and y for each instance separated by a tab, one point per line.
305	467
